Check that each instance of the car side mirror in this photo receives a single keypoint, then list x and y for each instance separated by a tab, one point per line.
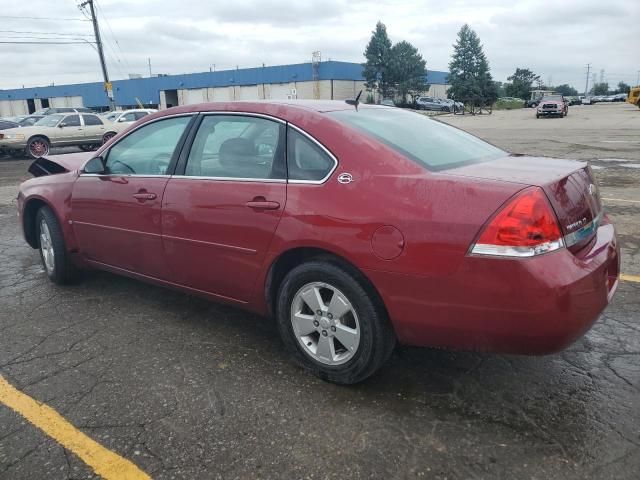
95	166
62	124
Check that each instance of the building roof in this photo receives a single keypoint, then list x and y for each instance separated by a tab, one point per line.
148	89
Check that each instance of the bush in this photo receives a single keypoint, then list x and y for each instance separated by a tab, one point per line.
508	104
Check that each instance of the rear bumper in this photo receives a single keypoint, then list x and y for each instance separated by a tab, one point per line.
527	306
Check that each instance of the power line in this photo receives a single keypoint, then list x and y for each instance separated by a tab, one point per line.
46	18
37	37
48	43
113	35
49	33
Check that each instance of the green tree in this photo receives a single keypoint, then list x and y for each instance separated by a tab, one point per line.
407	71
623	88
566	90
521	83
377	54
601	88
469	74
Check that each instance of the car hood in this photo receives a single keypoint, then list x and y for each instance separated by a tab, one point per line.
54	164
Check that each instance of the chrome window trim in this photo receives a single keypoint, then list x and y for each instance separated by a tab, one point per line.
245	114
325	149
230	179
189	114
122	175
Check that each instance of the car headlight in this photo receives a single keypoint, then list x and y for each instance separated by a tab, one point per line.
11	136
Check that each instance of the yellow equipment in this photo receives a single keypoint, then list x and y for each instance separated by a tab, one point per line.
634	96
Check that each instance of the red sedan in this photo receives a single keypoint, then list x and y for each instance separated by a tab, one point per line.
355	228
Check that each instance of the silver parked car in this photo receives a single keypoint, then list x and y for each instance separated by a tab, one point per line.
84	130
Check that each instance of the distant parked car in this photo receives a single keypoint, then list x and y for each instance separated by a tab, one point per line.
87	131
129	116
455	106
552	105
26	120
430	103
532	103
6	123
587	101
620	97
573	100
54	110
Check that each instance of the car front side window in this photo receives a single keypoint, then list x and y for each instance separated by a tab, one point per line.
148	150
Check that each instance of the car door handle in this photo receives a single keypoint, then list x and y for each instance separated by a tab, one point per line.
261	204
144	196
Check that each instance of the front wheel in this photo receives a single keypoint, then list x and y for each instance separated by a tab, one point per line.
332	323
53	251
37	147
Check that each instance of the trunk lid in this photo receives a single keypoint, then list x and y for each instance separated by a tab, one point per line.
568	184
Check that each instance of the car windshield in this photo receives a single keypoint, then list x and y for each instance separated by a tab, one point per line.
428	142
554	98
49	121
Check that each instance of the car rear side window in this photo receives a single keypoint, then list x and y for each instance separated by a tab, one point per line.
139	115
237	146
148	150
428	142
91	120
306	160
72	121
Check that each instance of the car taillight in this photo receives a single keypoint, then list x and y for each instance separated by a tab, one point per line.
525	227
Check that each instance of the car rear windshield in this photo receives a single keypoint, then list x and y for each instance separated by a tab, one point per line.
430	143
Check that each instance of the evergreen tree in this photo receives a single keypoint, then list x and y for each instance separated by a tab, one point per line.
566	90
376	68
521	83
469	74
407	71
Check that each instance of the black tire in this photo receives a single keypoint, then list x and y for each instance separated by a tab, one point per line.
63	271
537	115
89	148
108	136
377	338
37	147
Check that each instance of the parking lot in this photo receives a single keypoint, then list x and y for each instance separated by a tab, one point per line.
187	389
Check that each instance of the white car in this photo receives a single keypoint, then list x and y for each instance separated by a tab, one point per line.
129	116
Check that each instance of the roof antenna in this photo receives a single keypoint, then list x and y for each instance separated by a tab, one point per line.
355	101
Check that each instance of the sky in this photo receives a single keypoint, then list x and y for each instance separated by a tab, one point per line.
555	39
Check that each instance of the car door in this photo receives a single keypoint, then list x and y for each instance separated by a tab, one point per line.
221	209
70	130
94	128
116	214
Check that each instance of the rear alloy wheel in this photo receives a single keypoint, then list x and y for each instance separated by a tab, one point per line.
107	136
331	324
38	147
53	252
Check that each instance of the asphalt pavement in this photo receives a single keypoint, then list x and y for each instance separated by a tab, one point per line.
187	389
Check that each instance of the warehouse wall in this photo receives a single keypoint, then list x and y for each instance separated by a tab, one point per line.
11	108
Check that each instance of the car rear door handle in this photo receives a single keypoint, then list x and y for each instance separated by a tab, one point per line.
144	196
261	203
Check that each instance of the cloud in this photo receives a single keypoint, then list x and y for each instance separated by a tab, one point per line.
550	37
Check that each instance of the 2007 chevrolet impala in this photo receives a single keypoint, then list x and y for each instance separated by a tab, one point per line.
355	227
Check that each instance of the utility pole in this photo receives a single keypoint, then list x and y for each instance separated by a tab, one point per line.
96	30
149	66
586	87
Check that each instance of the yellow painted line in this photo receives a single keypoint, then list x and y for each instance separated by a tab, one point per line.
620	200
630	278
105	463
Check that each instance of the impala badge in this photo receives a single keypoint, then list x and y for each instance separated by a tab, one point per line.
345	178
